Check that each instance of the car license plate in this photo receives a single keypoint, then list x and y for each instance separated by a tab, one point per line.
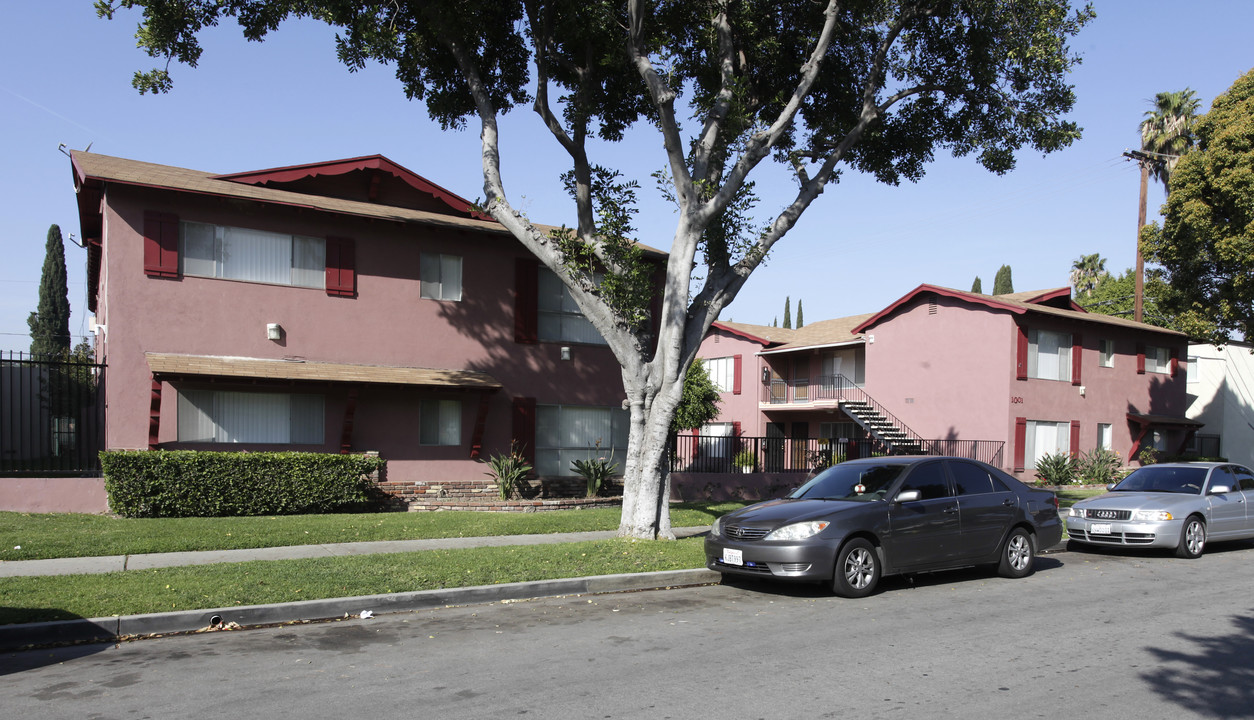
733	557
1099	529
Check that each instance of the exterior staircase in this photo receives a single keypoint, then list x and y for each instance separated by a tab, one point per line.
881	425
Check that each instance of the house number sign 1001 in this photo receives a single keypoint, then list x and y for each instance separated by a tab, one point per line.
1016	400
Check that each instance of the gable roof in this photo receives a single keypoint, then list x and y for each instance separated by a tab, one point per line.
764	335
826	333
1045	302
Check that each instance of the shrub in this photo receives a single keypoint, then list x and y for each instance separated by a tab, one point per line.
186	483
744	458
1099	466
595	471
507	470
1056	469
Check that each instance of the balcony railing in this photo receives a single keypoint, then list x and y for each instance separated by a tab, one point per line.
816	388
726	454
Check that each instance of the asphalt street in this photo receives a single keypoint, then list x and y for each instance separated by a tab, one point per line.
1098	635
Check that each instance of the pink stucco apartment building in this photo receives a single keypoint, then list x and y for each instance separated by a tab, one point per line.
344	306
1008	377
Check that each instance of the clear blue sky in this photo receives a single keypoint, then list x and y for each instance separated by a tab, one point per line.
65	78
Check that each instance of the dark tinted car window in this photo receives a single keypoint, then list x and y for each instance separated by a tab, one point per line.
971	479
1222	476
1165	478
851	481
929	480
1245	479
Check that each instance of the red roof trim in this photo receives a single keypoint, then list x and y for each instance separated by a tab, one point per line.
988	300
740	333
1053	295
292	173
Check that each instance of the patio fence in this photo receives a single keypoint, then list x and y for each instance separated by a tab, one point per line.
51	416
726	454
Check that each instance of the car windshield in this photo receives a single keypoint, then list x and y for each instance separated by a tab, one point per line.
1157	478
850	482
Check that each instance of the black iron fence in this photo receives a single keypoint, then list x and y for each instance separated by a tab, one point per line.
51	416
729	454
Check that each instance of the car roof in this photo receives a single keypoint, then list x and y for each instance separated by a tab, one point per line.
904	459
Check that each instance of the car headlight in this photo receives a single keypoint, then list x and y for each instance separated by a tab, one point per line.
798	531
1151	515
717	528
1076	512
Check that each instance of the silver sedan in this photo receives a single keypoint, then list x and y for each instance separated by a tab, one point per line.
1172	505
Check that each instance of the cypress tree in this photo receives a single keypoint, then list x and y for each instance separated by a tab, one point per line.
50	324
800	321
787	313
976	287
1002	284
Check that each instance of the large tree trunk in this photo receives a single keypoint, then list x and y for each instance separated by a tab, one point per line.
646	479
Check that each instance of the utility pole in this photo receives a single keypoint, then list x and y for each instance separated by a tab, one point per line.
1138	300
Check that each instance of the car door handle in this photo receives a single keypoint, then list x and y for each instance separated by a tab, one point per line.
951	510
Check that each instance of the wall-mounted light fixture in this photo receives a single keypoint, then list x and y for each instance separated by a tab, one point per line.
274	331
565	352
1082	391
766	375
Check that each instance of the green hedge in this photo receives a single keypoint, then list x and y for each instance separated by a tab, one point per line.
184	483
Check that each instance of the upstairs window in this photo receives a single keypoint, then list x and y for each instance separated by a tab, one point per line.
441	276
1157	360
232	253
560	319
1049	355
722	372
1106	355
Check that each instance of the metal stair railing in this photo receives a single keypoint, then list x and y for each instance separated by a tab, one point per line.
849	396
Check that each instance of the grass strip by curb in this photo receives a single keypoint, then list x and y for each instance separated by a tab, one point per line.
38	599
29	536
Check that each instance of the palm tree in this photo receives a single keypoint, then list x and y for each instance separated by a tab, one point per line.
1167	130
1086	272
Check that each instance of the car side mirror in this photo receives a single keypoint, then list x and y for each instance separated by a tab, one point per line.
1220	489
1110	486
907	496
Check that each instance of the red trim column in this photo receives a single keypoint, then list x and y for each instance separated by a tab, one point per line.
350	413
481	421
154	414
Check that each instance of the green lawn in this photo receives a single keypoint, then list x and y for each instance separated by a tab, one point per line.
1070	496
25	536
37	599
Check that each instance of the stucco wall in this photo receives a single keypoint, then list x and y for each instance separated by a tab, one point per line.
742	408
1223	397
386	324
54	495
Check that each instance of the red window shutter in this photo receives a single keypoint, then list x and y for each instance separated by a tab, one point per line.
1075	438
1021	354
341	267
696	443
161	244
737	367
1140	358
524	430
1021	440
526	300
1175	361
1077	354
735	428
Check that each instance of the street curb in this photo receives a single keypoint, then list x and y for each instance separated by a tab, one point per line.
114	629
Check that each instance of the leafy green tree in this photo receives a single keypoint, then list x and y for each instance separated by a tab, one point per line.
1086	272
699	403
820	87
1002	282
1113	295
1205	245
50	323
800	318
1167	131
787	313
976	287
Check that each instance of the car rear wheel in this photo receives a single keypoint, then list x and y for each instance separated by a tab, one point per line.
857	569
1192	538
1017	555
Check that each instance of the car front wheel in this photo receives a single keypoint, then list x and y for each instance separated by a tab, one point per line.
857	569
1017	555
1192	538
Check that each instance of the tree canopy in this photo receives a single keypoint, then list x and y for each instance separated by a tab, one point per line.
699	404
1003	284
977	287
1086	272
1167	131
1114	295
1205	245
874	86
50	323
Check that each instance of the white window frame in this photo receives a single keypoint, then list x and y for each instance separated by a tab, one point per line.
1055	362
1106	355
560	319
722	372
1157	360
1037	443
440	423
440	277
1192	375
221	252
1105	436
231	417
571	432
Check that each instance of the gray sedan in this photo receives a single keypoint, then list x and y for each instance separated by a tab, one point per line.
1172	505
863	519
